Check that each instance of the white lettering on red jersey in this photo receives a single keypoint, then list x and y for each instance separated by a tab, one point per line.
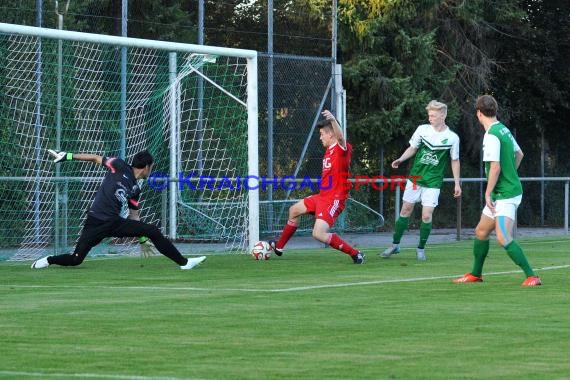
336	166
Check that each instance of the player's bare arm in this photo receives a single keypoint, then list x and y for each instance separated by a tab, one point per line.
410	152
456	170
60	156
336	128
518	158
494	171
88	157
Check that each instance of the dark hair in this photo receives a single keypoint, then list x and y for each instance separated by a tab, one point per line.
142	159
487	105
324	124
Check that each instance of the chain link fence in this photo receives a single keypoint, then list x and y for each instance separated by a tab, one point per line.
301	89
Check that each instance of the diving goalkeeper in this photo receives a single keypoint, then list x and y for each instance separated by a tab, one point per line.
115	212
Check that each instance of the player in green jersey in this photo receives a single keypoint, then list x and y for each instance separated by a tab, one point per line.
502	156
433	145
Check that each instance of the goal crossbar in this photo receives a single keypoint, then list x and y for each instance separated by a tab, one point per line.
124	41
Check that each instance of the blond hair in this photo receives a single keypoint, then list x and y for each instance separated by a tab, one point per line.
434	105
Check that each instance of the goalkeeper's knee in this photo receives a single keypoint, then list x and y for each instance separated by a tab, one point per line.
150	232
75	259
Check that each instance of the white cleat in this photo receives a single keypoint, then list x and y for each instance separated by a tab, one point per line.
40	263
193	262
421	254
393	250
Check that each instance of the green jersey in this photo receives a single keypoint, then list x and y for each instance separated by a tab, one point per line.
500	146
434	151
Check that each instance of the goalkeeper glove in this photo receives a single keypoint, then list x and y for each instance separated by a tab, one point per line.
147	248
60	155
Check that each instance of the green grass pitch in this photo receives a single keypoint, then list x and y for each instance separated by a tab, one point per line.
310	314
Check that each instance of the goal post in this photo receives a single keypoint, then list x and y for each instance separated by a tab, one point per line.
194	107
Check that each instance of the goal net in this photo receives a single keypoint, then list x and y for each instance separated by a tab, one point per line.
193	107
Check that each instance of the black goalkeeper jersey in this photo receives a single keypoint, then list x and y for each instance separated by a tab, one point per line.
118	193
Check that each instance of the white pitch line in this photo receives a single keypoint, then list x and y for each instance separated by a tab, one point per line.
416	279
83	375
455	243
282	290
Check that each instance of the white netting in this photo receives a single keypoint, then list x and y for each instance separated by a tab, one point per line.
43	207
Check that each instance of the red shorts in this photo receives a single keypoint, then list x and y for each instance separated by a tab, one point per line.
324	208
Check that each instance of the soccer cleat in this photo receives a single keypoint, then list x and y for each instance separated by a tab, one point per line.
421	254
358	258
393	250
277	251
193	262
468	277
40	263
532	281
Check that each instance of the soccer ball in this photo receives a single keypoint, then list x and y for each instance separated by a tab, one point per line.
261	251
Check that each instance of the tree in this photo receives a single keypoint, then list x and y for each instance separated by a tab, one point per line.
532	82
299	26
400	54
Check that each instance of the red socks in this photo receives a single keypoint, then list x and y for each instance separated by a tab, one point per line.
337	243
288	231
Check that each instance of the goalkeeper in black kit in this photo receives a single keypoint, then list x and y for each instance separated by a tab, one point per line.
115	212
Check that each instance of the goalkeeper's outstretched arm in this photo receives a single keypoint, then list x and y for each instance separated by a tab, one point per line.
89	157
60	156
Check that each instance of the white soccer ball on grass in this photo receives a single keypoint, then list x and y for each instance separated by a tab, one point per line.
261	251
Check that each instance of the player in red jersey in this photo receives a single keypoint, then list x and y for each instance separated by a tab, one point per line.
330	201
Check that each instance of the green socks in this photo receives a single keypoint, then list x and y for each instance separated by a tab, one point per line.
401	226
516	254
480	251
481	248
425	230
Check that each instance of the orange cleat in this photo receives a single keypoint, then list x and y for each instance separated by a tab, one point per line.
468	277
532	281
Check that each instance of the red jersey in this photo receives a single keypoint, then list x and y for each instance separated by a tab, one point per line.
336	164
